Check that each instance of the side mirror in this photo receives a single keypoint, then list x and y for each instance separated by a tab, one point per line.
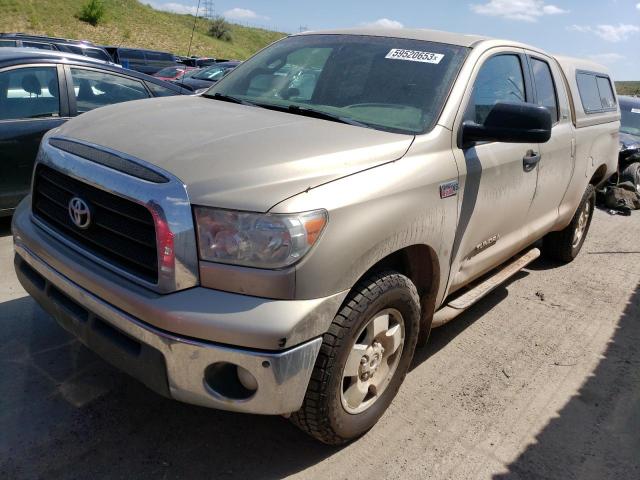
510	123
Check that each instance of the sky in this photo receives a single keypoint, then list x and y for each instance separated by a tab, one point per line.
606	31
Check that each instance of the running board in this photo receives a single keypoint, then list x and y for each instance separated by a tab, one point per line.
459	304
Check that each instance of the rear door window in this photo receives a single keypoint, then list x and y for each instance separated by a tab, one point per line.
40	45
30	92
545	88
8	43
94	89
500	79
595	92
160	91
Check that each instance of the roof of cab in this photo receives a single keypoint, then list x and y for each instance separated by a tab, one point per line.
410	33
629	101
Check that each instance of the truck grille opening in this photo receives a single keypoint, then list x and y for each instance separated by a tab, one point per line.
120	232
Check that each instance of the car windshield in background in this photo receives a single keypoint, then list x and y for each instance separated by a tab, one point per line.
390	84
169	72
211	73
630	122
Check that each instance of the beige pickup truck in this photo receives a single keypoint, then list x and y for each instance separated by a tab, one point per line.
281	243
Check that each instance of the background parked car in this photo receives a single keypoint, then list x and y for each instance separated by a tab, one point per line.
40	90
145	61
173	73
201	62
629	162
208	76
79	47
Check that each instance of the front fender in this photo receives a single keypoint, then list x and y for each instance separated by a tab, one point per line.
377	212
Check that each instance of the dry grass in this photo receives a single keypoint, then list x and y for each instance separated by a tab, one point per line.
628	88
130	23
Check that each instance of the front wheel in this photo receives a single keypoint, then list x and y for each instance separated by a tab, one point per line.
566	244
363	360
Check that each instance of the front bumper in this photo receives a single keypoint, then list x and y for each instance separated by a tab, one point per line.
169	342
168	364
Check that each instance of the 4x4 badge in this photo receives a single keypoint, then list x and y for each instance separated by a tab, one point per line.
449	189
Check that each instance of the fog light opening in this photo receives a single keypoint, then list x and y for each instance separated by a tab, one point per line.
230	381
247	380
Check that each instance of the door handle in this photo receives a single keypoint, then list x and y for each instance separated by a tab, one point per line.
530	160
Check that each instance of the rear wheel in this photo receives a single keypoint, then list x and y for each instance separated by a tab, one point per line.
566	244
632	174
363	360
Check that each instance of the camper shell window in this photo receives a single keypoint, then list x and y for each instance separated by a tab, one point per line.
596	92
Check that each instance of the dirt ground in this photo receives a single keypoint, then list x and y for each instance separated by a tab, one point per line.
539	380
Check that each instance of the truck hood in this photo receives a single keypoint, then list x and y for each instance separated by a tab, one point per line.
236	156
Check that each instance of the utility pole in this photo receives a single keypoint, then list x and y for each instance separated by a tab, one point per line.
209	10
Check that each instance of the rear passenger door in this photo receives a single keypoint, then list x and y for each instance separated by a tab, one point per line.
556	165
31	103
92	88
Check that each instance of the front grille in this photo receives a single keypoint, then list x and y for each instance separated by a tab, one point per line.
121	232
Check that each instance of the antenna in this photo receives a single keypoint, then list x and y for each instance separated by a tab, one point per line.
194	28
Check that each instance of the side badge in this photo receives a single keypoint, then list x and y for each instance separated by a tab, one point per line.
449	189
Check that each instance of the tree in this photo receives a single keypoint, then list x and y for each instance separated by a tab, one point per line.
220	29
92	12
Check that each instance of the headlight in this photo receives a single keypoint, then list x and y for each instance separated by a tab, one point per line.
256	239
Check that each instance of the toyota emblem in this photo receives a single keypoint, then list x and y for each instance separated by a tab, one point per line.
79	213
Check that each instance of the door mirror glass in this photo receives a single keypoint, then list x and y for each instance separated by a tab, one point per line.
509	122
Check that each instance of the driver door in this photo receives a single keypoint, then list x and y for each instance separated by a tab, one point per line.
496	189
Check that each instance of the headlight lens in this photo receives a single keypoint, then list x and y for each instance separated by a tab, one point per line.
256	239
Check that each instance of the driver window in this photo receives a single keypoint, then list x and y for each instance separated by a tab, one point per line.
500	80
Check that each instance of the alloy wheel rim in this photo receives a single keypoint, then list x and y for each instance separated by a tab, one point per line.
583	220
372	360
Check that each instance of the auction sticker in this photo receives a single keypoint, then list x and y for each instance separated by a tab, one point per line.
414	56
635	110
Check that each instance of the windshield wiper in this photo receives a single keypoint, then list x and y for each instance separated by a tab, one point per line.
313	113
229	98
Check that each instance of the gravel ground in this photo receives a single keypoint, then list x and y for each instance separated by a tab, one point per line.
541	379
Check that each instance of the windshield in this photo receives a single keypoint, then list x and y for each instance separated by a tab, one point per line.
211	73
630	122
168	72
390	84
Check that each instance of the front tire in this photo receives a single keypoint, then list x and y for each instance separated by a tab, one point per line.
364	358
566	244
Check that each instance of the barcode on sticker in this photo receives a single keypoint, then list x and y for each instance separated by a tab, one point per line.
414	56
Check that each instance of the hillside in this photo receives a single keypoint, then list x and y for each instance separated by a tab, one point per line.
628	88
130	23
